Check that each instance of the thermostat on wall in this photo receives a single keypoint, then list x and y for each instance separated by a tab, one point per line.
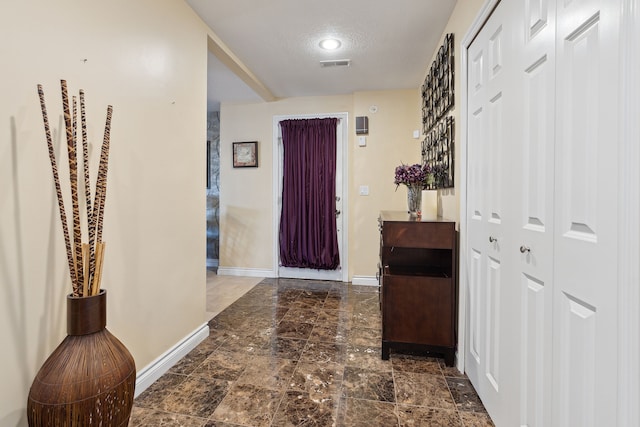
362	125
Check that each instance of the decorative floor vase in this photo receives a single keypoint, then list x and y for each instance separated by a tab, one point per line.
414	199
89	380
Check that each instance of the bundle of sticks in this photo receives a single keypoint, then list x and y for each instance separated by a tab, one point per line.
85	259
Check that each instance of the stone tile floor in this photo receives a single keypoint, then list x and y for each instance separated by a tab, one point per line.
305	353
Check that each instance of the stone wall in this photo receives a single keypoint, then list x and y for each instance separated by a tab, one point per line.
213	188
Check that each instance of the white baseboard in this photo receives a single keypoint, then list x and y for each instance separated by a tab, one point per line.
150	373
256	272
247	272
364	280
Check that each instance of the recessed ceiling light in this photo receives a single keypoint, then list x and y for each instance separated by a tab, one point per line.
330	44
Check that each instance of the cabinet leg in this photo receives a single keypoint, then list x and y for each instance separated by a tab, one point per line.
385	351
449	357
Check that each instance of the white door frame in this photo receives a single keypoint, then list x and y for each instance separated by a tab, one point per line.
628	220
277	189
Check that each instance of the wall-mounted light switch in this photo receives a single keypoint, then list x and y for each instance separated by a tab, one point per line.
416	134
362	141
364	190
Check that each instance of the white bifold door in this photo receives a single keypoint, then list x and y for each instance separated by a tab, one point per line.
541	208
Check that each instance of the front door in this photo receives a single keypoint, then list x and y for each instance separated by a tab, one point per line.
340	273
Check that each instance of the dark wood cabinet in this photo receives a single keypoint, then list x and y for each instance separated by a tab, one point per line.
418	287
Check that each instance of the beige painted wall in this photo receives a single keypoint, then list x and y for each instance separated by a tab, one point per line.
148	59
246	205
246	195
461	19
390	143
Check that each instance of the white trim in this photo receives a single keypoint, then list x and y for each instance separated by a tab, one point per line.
628	219
154	370
277	186
246	272
474	29
307	273
364	280
462	248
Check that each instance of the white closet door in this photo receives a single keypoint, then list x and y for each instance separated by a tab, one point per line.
534	197
492	358
542	296
585	236
476	213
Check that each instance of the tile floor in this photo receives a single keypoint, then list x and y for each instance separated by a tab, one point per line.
305	353
222	291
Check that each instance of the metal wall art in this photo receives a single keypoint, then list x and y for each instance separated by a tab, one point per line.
438	87
437	153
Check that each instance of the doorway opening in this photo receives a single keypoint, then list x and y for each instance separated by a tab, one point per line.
341	273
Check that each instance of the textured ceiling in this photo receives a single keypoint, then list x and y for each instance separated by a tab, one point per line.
389	43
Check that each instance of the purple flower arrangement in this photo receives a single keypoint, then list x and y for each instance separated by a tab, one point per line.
412	175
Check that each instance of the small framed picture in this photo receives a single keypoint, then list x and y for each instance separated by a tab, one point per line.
245	154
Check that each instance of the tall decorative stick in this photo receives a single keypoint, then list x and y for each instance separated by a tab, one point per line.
73	178
76	208
87	189
97	277
85	261
56	180
101	184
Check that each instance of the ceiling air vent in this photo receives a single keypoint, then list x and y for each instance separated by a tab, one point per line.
335	63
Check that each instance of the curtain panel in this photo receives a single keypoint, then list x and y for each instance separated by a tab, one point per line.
308	233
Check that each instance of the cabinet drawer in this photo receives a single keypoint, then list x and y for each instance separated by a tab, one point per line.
419	235
418	310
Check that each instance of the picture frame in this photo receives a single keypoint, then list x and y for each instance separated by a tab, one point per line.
245	154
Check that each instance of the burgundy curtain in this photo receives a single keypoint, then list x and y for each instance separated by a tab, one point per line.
308	235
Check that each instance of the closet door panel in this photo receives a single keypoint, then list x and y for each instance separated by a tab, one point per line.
535	408
536	13
476	214
537	145
576	365
494	99
493	333
580	133
496	154
535	151
585	237
477	244
475	317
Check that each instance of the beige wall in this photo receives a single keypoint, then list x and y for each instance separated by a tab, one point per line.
390	143
148	59
246	195
246	205
459	23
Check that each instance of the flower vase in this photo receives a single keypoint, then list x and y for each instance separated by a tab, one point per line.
414	199
89	379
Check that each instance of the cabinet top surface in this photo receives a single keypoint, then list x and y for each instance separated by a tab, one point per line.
403	216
